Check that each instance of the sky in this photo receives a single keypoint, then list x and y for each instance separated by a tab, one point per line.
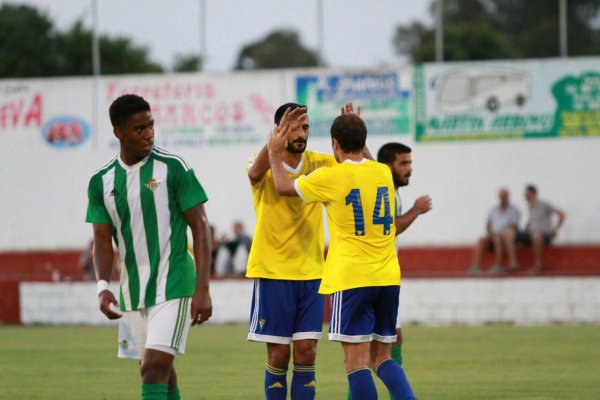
357	33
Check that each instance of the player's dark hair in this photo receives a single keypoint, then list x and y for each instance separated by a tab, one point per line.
531	188
387	152
281	110
350	131
124	107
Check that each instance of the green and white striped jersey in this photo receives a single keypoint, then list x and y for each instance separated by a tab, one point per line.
144	204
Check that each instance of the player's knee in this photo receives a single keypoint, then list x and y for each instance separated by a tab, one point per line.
305	351
156	372
278	356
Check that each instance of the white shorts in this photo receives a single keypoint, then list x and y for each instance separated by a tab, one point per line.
163	327
398	320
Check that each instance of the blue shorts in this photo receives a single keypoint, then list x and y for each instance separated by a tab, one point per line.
283	311
364	314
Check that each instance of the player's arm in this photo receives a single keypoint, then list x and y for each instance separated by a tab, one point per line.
561	219
422	205
276	146
198	223
348	108
261	165
103	265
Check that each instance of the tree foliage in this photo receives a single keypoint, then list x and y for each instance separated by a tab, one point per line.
25	51
280	49
493	29
31	47
187	63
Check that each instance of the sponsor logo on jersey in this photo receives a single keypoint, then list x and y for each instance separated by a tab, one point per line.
65	131
152	184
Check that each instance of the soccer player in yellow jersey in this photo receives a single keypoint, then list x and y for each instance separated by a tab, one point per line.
286	262
362	270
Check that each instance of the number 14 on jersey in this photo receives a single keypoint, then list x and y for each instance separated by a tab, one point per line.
383	198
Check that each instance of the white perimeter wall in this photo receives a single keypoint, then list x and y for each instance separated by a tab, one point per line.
423	301
43	189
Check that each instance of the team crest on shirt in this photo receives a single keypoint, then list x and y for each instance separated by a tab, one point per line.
152	184
262	323
124	344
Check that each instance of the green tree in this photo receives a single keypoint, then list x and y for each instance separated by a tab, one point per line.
31	47
187	63
493	29
280	49
117	55
27	46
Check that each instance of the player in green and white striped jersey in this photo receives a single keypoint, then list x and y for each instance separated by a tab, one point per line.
145	199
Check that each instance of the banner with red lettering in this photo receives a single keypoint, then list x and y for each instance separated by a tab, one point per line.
55	113
201	110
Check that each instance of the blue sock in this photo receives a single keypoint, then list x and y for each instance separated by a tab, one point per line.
395	380
275	383
362	385
304	384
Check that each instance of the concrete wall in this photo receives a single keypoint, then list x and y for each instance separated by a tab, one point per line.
423	301
43	195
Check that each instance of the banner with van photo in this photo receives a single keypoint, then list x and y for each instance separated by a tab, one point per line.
508	100
383	94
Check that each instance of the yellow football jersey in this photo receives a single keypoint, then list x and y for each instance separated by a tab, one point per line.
359	199
288	237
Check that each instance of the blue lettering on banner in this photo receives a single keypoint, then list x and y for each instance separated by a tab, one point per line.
362	86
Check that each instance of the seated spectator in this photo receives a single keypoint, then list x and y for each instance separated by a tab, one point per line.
214	248
232	256
539	231
86	263
502	224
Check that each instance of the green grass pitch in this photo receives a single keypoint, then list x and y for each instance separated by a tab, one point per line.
479	363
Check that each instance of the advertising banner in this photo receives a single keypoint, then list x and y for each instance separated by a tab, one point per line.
384	97
48	113
202	110
501	100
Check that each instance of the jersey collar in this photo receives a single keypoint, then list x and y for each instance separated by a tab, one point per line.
135	166
364	160
298	168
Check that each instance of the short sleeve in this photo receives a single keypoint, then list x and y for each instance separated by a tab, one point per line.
188	190
314	187
250	161
96	210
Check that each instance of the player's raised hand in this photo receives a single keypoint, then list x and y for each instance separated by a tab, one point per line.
201	307
291	116
107	298
278	138
348	108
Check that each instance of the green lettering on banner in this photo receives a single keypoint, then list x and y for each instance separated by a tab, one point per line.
578	110
460	123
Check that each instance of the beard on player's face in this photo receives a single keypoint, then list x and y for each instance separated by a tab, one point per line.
399	180
296	146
